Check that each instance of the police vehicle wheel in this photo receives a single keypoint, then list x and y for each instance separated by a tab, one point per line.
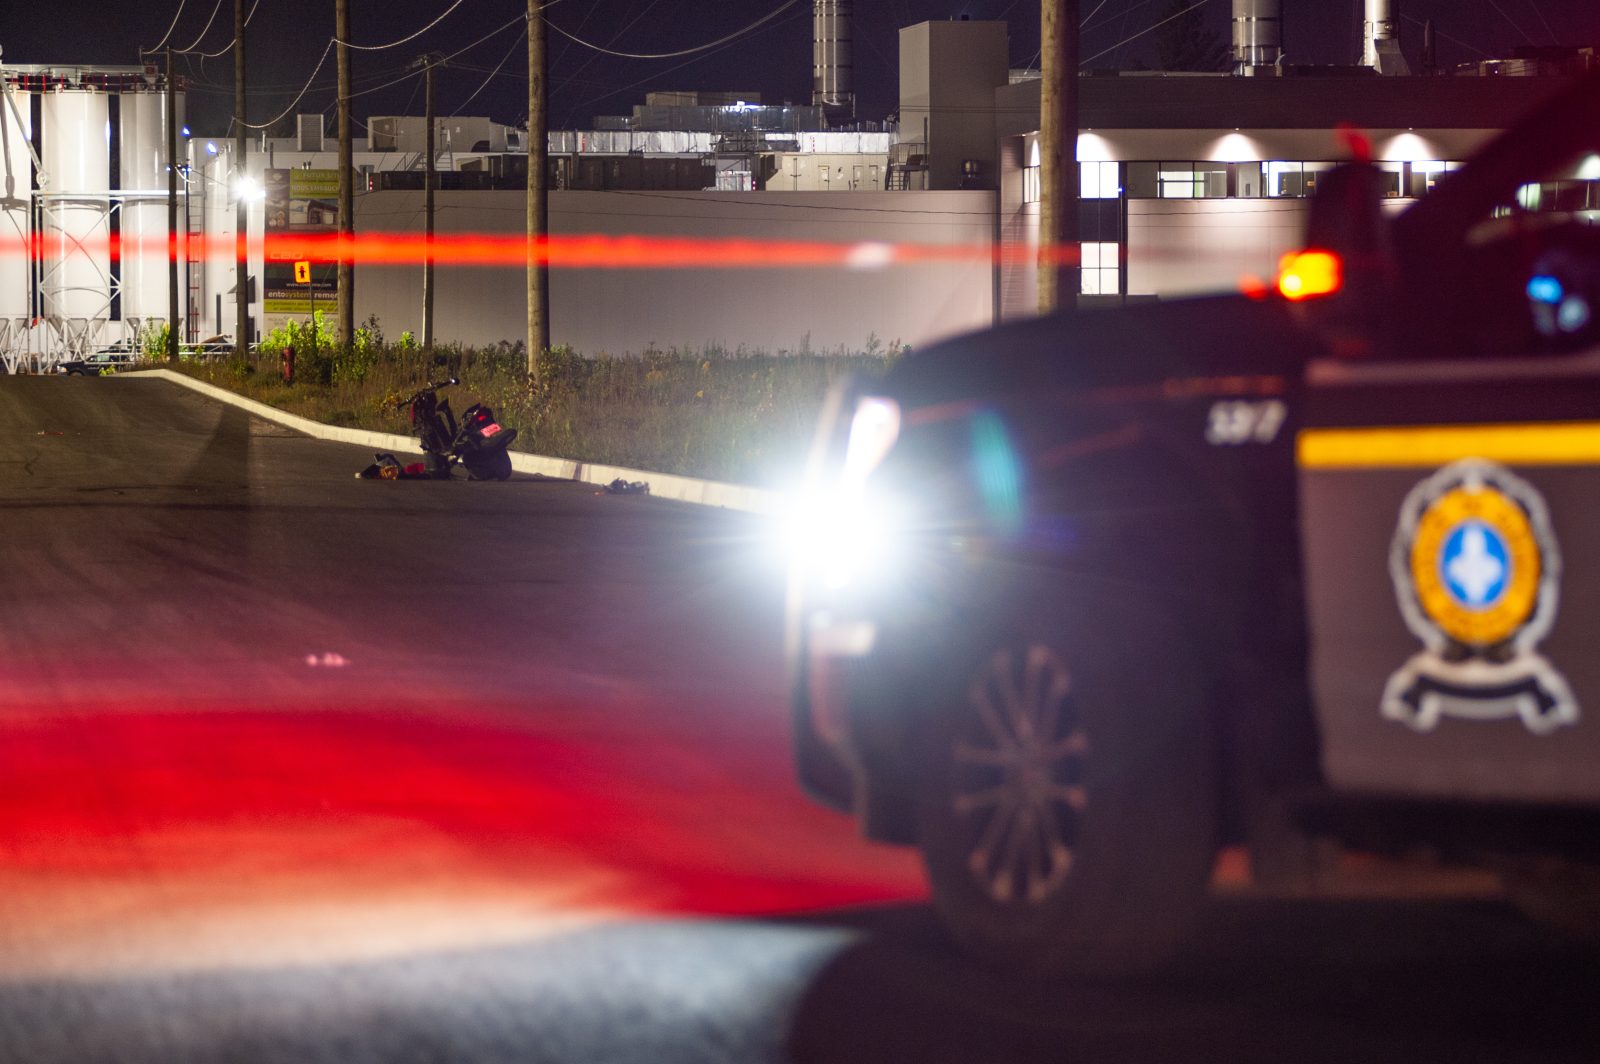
1067	798
1562	894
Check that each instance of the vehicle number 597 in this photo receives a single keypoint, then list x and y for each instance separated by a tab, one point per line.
1236	421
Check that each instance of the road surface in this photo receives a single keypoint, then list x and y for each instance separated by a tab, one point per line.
300	768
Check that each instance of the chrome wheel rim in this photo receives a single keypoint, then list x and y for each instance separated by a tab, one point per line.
1017	776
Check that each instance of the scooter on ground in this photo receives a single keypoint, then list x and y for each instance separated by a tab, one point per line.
477	442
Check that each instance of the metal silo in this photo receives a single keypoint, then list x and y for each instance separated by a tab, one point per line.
75	283
142	159
16	188
1257	34
830	58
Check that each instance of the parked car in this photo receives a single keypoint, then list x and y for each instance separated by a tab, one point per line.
109	358
1078	600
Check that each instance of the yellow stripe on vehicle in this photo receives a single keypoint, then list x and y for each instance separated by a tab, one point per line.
1425	446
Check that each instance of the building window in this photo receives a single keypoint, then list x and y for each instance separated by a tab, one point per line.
1425	173
1099	269
1394	178
1175	181
1030	184
1294	179
1098	180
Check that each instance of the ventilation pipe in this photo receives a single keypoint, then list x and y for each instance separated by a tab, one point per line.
1380	38
1257	35
830	58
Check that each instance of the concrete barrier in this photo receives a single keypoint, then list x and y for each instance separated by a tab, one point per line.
662	485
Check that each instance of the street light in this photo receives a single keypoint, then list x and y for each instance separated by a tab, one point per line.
248	190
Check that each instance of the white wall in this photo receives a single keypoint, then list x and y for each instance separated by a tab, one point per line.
1188	247
625	310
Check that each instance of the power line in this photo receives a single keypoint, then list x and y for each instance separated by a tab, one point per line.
614	92
615	37
209	23
1537	10
1515	24
1149	29
686	51
1452	40
403	40
225	49
310	82
298	97
1124	13
461	51
492	74
170	28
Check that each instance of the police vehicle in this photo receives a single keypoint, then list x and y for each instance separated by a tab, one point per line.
1078	600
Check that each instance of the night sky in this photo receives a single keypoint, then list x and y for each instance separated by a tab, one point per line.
287	36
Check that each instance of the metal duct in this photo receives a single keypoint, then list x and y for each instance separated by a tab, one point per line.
1257	34
1382	23
830	57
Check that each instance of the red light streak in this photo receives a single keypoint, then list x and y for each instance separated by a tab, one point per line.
577	251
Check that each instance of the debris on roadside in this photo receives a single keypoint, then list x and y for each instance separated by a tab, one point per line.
626	487
388	467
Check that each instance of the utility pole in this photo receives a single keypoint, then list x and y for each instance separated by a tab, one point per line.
241	222
538	203
428	181
172	209
347	227
1058	150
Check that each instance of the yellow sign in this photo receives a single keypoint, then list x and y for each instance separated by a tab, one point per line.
302	272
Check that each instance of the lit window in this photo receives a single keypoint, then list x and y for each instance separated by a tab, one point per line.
1099	268
1030	184
1176	181
1294	179
1425	174
1098	180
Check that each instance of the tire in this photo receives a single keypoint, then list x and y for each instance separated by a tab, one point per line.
488	465
1067	800
1561	894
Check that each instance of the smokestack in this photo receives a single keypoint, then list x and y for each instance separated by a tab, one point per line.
830	58
1257	34
1429	55
1380	38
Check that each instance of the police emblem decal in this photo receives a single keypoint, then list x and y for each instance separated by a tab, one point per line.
1476	571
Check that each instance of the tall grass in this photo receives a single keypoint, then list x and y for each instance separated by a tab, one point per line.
740	417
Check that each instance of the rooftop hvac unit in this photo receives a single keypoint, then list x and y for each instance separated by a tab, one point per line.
310	132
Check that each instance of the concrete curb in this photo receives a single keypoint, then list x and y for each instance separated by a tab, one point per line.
662	485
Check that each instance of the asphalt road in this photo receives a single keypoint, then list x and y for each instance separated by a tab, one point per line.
300	768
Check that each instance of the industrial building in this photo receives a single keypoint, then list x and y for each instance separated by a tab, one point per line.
1187	183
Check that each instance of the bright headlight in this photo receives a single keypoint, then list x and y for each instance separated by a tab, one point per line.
836	530
838	537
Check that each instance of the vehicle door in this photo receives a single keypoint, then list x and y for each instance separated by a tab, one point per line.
1449	524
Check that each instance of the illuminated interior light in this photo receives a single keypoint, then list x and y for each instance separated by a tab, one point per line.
1306	274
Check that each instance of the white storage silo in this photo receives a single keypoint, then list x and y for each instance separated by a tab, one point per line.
142	159
16	185
76	155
